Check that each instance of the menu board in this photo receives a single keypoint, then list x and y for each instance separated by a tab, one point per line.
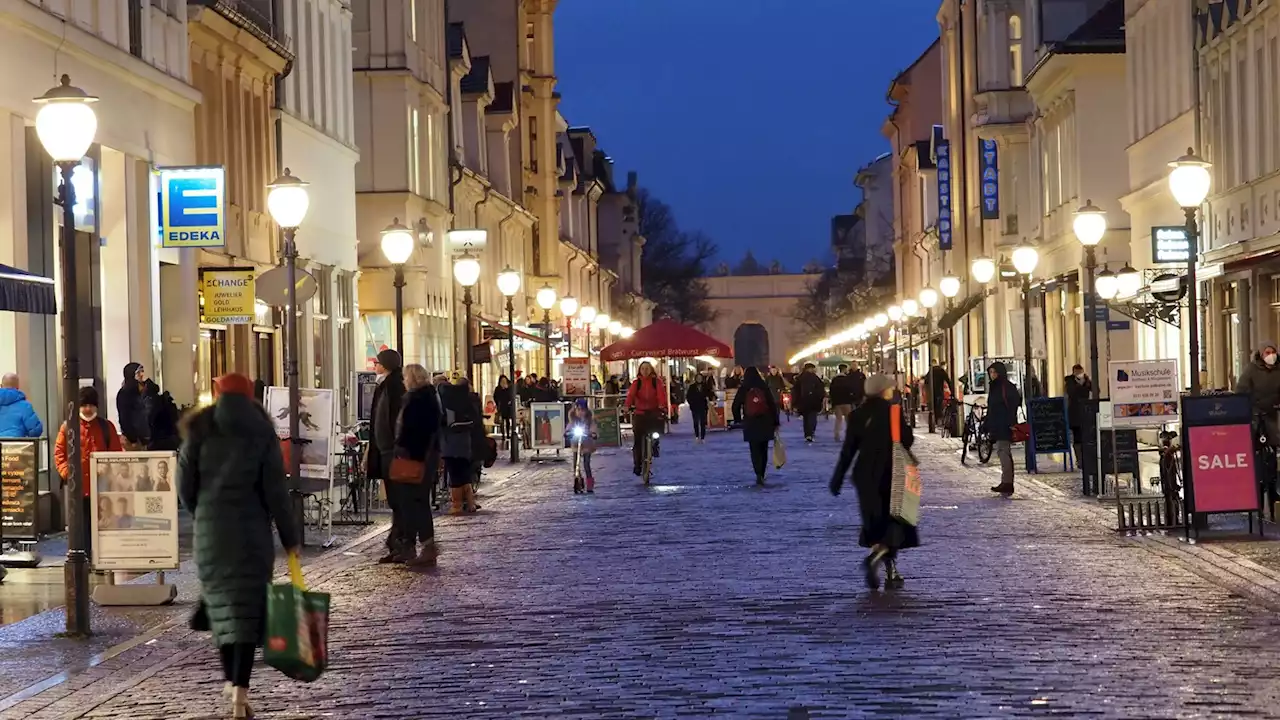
18	460
1119	456
608	431
1048	418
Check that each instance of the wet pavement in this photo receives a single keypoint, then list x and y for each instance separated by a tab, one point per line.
706	596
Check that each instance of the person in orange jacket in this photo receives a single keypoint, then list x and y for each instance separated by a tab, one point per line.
647	399
97	434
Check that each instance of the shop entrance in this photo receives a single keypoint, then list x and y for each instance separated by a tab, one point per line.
212	359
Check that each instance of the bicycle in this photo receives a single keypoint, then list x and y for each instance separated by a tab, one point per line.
975	436
646	462
1264	449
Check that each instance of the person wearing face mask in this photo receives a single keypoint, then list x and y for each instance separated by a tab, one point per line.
1079	388
1261	380
97	434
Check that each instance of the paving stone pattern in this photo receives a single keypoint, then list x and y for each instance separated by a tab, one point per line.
705	596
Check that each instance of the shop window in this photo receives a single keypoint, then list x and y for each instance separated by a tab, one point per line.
1015	51
379	331
321	329
212	356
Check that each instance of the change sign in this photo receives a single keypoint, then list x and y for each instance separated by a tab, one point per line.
193	207
227	295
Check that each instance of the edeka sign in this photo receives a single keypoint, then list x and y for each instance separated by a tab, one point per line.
193	207
1222	468
226	295
989	163
943	162
1170	245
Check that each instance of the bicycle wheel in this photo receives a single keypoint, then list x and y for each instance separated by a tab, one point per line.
965	439
578	484
648	461
985	446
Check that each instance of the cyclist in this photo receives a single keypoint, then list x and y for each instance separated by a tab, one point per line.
582	429
647	398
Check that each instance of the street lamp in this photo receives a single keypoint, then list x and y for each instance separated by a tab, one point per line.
983	270
910	307
895	313
1025	259
949	285
1130	281
615	328
627	332
397	246
587	314
546	299
1107	284
509	285
66	125
466	270
568	308
1090	224
1189	182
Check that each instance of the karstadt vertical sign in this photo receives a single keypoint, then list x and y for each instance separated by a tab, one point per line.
943	163
989	163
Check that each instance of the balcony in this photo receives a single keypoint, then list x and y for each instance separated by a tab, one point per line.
252	16
1005	106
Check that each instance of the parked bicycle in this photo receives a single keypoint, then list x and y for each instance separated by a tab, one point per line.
976	438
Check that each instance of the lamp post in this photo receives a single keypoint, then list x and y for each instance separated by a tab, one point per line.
397	246
546	299
587	314
881	320
895	319
568	308
509	285
1090	224
984	269
466	270
928	301
910	311
604	322
66	125
1025	259
287	202
1189	182
949	286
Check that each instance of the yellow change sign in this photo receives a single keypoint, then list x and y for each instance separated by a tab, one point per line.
227	295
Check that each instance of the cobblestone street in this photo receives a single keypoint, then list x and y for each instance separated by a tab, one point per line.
704	595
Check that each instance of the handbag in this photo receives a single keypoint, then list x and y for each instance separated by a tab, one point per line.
1019	431
779	450
904	492
406	470
297	642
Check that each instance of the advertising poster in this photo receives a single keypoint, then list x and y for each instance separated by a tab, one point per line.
548	425
364	383
1222	466
577	376
315	418
134	516
192	207
227	296
1144	393
18	489
1017	328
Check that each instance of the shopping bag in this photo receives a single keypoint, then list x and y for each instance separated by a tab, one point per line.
779	451
297	627
904	492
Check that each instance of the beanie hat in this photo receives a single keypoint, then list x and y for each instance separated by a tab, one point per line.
877	384
88	396
233	384
390	359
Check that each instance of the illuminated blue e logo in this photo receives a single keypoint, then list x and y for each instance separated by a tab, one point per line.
193	202
192	207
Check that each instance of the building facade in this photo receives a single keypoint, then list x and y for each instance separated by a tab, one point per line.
754	315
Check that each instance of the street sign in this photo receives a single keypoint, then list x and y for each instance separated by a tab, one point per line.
273	286
1170	244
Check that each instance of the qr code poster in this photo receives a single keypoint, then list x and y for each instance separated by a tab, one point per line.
134	510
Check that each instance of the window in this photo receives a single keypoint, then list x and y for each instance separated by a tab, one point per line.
1015	51
413	20
415	153
321	120
1227	146
533	143
528	45
1261	159
433	158
320	325
1242	119
1274	54
346	339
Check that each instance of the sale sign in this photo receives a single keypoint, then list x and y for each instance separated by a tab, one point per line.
1222	468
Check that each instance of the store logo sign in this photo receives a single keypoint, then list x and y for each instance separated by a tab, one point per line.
943	161
193	207
990	165
226	295
1170	245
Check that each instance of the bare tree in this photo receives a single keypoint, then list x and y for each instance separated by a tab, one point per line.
674	263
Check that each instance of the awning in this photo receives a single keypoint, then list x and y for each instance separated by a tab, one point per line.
949	318
24	292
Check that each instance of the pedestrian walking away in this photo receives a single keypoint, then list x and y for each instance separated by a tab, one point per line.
18	418
416	429
807	395
700	395
841	399
761	419
868	450
1079	388
1003	400
231	477
387	398
936	383
458	444
504	401
647	400
858	385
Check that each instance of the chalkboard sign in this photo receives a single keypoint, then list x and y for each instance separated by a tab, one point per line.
1048	418
18	489
607	429
1119	456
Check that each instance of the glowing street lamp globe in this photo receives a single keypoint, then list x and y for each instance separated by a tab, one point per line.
928	298
910	307
288	200
546	297
569	306
615	327
1089	224
627	332
508	282
1025	259
587	314
881	319
984	268
1107	284
466	270
895	313
65	122
1130	281
949	285
1188	181
397	243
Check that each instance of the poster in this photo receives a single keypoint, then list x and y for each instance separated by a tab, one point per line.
315	418
18	489
134	517
1144	393
227	296
548	425
576	376
1222	467
364	383
608	431
1017	328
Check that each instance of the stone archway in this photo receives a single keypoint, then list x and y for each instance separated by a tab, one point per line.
751	345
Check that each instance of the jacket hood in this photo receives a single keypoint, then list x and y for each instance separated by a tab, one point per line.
1257	360
241	416
130	370
1000	368
9	396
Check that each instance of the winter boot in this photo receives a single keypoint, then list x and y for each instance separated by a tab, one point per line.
591	485
1005	489
427	556
470	498
760	480
871	567
240	703
457	496
892	578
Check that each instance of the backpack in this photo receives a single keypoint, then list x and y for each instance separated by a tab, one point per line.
756	403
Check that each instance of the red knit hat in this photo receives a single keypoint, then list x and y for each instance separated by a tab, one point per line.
233	384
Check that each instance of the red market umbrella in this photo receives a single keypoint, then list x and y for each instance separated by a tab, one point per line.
666	339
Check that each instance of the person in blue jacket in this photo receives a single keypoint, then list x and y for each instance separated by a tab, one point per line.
18	418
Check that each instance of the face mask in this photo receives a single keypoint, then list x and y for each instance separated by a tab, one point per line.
1269	359
88	415
1080	375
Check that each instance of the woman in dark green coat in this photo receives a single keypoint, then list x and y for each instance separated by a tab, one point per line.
231	477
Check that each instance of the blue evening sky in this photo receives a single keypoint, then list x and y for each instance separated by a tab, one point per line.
749	117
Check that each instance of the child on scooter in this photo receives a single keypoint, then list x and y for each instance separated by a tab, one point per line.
581	420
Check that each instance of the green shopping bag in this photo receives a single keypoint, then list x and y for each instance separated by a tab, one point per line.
297	628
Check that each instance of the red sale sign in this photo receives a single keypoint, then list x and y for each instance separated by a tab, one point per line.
1222	468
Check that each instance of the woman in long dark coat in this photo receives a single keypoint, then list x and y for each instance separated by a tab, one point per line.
760	419
416	430
231	477
870	441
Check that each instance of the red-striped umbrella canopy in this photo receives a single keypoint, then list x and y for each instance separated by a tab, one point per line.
666	339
